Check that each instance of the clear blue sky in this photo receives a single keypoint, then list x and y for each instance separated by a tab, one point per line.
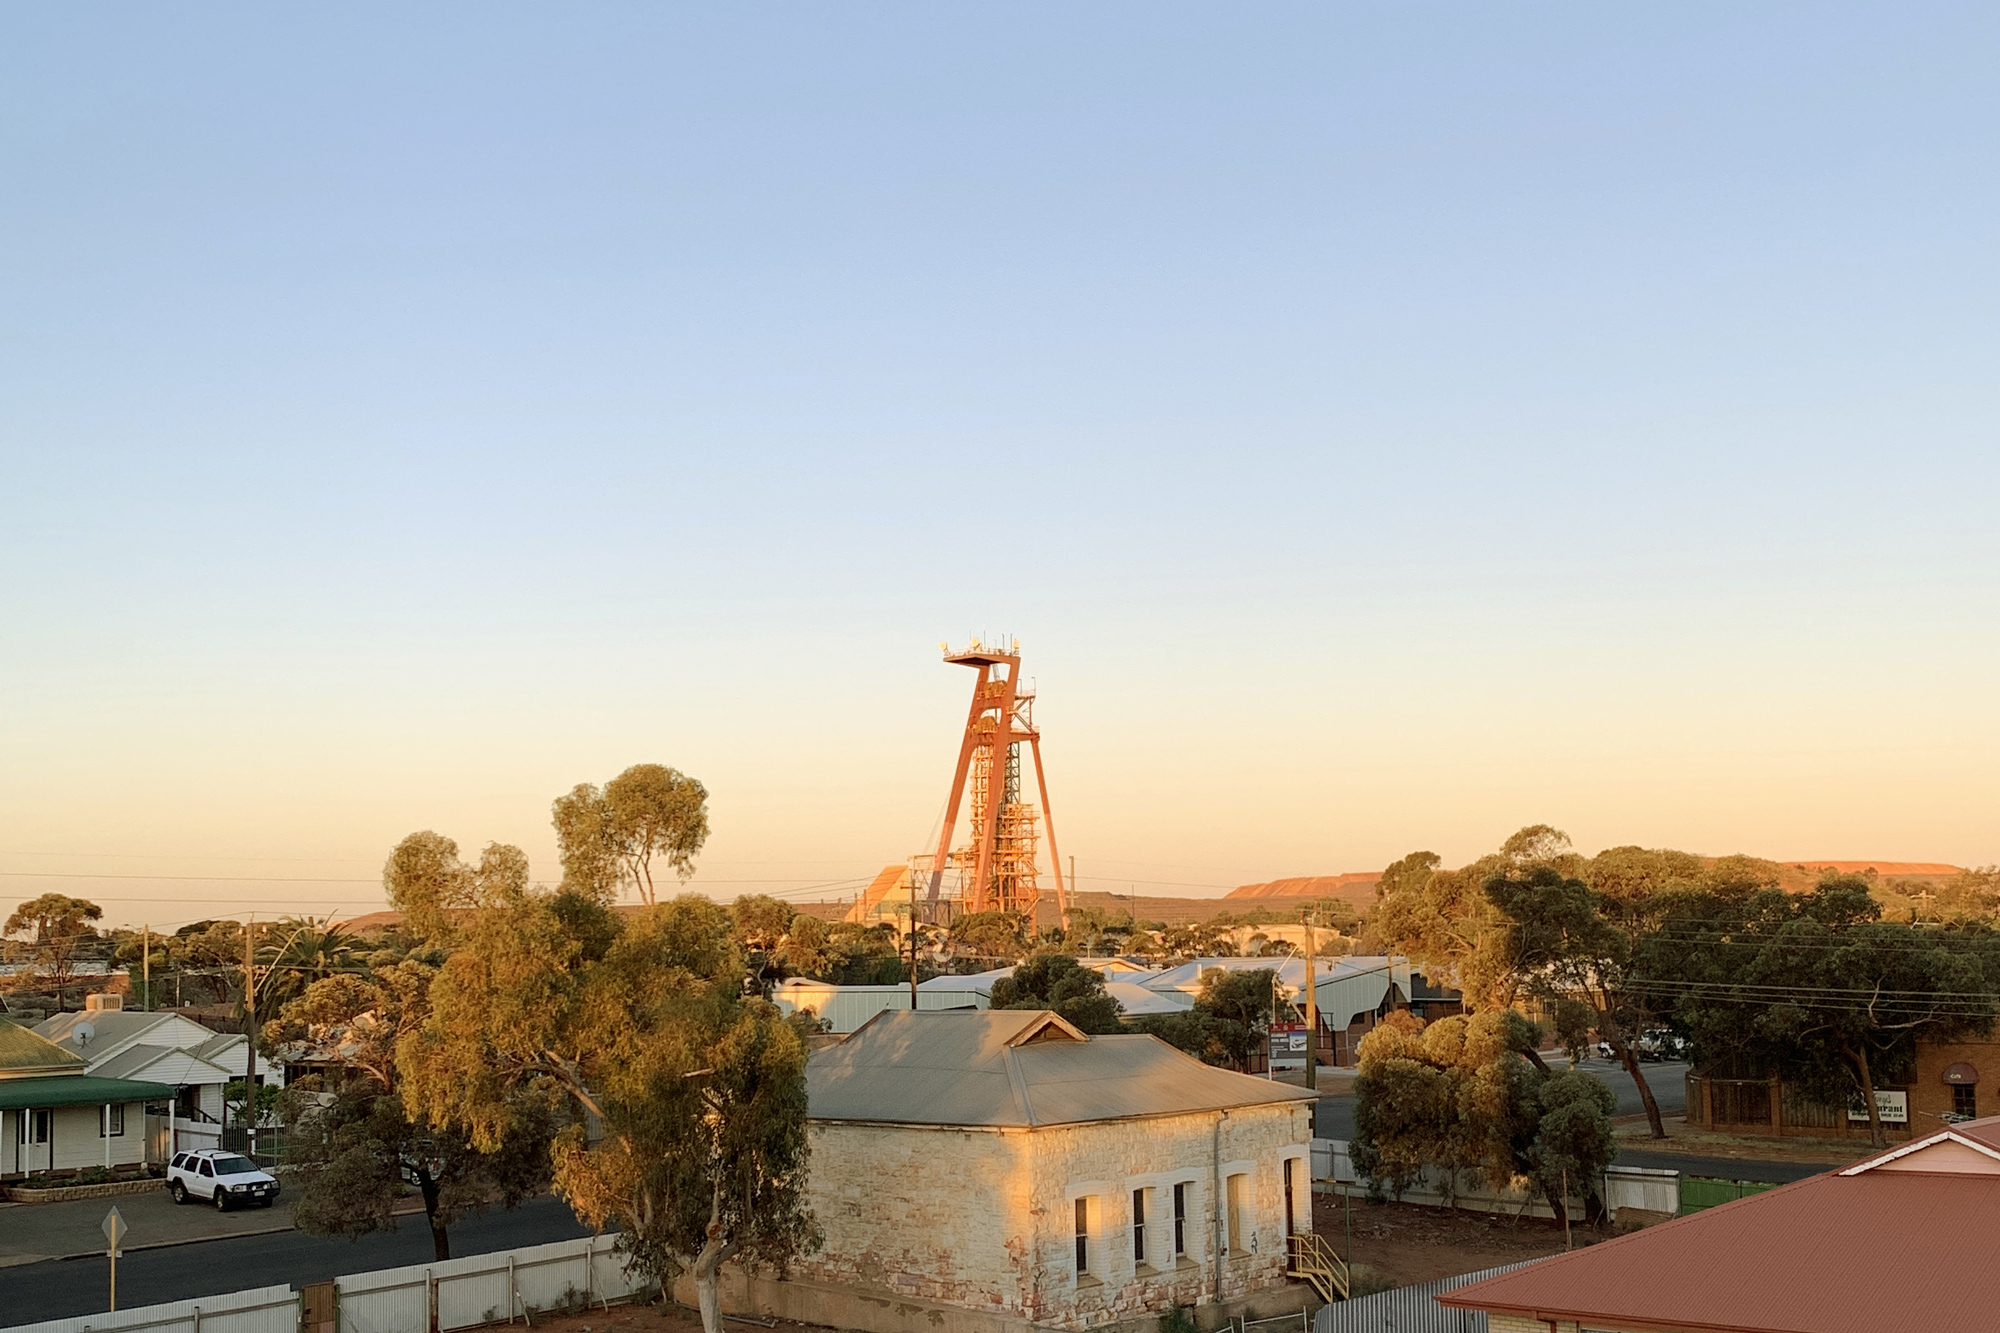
1383	425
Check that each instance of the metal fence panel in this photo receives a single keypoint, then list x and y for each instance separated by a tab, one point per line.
483	1287
263	1310
1699	1192
1409	1309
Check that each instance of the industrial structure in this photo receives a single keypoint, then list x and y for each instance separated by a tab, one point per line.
997	863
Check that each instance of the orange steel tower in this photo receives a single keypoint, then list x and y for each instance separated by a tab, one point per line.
998	864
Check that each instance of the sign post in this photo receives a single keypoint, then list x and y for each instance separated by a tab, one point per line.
114	1232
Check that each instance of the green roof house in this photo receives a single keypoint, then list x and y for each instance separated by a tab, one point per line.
55	1117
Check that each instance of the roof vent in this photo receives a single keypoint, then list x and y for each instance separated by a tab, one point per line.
101	1001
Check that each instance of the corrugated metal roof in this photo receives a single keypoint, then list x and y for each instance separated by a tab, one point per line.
107	1025
1836	1253
1136	999
163	1064
1015	1068
24	1052
18	1094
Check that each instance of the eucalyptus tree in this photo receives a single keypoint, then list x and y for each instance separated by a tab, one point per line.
641	1026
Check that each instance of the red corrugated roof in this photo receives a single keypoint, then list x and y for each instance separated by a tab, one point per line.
1863	1253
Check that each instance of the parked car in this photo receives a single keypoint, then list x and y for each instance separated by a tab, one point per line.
1660	1044
224	1179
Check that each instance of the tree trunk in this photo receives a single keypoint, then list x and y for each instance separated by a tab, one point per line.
1630	1059
440	1239
708	1263
1858	1054
707	1266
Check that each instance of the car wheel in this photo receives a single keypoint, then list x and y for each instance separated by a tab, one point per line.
221	1200
179	1192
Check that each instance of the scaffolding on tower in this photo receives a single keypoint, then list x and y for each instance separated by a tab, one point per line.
997	863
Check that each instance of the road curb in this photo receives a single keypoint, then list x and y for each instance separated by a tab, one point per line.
170	1244
197	1240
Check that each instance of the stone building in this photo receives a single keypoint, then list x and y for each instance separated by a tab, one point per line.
1005	1164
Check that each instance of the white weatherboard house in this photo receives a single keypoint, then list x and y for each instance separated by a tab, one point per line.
56	1117
194	1062
1001	1169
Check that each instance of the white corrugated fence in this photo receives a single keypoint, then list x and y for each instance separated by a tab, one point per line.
264	1310
478	1289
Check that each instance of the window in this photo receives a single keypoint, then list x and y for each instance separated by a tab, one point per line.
1180	1219
1236	1242
1082	1235
113	1118
1291	1168
1138	1227
207	1167
32	1127
1965	1100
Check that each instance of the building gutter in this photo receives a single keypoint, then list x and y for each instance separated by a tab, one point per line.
1215	1209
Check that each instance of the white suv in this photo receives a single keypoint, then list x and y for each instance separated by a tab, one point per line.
224	1179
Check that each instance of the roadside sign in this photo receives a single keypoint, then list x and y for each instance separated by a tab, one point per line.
1287	1042
1892	1107
114	1228
114	1232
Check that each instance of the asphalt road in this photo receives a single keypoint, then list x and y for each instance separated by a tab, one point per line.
59	1288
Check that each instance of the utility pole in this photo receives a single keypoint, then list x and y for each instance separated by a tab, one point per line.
250	1031
1312	1012
146	964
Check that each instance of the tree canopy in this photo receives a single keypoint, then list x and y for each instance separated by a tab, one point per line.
1463	1098
643	1025
355	1146
611	837
50	933
1815	987
1227	1022
1060	983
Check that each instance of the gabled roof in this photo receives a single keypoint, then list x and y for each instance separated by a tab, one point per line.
1012	1067
163	1064
108	1027
25	1054
1903	1240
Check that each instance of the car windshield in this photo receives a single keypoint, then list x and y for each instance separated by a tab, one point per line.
234	1166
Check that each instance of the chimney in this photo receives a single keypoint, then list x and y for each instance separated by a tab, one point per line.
102	1001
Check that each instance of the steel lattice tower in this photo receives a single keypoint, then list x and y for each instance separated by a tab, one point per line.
998	861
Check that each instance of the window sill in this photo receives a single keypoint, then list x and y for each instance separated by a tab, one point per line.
1085	1282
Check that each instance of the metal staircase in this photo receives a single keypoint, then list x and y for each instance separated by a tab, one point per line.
1314	1260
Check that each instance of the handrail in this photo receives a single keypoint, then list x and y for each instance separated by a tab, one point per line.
1315	1261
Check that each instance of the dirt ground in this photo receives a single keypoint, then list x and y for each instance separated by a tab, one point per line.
1404	1243
656	1319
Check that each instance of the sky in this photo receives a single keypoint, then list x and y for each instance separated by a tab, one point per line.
1382	426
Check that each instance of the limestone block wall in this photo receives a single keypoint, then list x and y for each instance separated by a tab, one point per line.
1107	1162
934	1213
986	1219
